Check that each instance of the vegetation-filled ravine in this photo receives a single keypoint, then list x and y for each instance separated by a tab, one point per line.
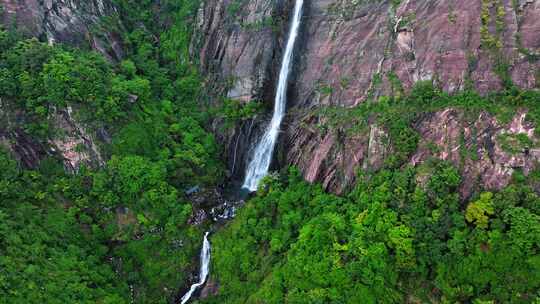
122	230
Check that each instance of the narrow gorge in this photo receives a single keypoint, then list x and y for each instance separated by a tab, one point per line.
263	152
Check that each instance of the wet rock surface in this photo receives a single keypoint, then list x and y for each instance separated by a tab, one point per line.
211	288
212	204
240	50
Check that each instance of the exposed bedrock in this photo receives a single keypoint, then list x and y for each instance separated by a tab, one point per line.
240	49
74	145
76	22
351	51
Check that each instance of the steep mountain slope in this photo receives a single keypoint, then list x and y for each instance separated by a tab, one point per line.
68	21
95	208
80	24
353	52
350	52
421	115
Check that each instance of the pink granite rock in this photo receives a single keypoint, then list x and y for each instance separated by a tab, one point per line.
349	52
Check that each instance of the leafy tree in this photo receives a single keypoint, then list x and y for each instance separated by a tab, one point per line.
478	212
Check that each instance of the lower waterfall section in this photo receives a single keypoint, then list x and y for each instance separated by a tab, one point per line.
204	269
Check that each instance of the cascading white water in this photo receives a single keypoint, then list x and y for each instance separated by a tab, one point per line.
262	156
203	271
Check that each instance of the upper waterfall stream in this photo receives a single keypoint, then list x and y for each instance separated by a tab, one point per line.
262	156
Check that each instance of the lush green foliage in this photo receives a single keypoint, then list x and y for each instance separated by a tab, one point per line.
41	79
120	233
63	235
397	114
390	239
48	254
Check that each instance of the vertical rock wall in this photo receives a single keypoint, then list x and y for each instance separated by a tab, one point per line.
354	50
76	22
239	47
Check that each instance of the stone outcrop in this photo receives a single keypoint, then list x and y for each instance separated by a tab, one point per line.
239	46
486	151
76	22
211	288
76	146
355	50
352	51
73	143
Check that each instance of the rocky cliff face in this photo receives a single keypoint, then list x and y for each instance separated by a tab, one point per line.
350	51
355	50
239	45
348	44
75	146
75	22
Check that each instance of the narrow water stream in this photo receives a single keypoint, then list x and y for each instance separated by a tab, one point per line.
204	269
262	155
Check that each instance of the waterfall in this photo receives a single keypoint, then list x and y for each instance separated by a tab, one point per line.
260	163
262	156
203	271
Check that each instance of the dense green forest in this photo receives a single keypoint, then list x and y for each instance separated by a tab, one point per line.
120	233
402	234
390	240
